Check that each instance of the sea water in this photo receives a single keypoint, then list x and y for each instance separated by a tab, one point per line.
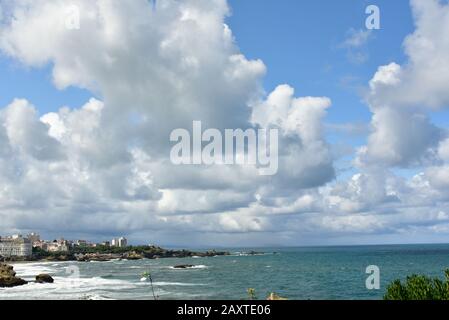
294	273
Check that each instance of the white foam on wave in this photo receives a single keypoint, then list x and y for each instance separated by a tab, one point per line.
26	270
97	297
66	288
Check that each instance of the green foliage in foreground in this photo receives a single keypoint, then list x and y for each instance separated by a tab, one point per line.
418	287
251	294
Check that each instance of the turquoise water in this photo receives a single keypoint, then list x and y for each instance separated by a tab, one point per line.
296	273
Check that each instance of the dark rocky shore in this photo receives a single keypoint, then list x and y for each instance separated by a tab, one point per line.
108	254
8	277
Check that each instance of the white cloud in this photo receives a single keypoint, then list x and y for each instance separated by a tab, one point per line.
103	168
26	134
399	138
356	38
355	43
400	97
422	81
108	165
439	177
443	150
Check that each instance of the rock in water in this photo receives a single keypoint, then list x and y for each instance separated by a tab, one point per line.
275	297
8	277
44	278
184	266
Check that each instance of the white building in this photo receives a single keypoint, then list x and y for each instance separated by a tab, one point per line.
58	246
16	246
119	242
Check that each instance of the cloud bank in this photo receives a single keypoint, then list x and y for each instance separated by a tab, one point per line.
104	168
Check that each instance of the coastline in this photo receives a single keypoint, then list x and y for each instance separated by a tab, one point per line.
108	254
300	273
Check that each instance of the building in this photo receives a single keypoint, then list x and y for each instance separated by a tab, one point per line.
122	242
119	242
15	246
34	238
58	246
81	243
43	245
106	244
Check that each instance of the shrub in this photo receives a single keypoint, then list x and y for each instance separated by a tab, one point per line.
418	287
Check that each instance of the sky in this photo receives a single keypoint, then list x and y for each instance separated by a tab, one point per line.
86	114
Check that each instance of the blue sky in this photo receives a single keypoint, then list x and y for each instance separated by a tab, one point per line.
358	175
299	42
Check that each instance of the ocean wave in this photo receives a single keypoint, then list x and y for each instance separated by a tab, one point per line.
96	297
26	270
66	288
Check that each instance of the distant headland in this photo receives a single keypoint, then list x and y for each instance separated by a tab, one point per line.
32	248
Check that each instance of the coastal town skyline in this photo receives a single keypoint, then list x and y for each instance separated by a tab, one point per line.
19	245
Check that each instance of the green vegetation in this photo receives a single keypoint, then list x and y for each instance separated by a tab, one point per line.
251	294
418	287
39	254
111	250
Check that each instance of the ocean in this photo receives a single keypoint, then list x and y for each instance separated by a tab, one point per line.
336	273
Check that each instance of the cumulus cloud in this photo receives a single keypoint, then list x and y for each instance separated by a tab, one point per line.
422	81
103	168
305	159
106	163
400	97
400	138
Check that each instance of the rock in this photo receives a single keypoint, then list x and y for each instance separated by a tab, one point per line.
6	270
275	297
8	277
9	282
184	266
133	256
44	278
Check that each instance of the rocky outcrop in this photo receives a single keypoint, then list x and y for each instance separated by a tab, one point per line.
184	266
275	297
133	256
138	253
98	257
44	278
8	277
